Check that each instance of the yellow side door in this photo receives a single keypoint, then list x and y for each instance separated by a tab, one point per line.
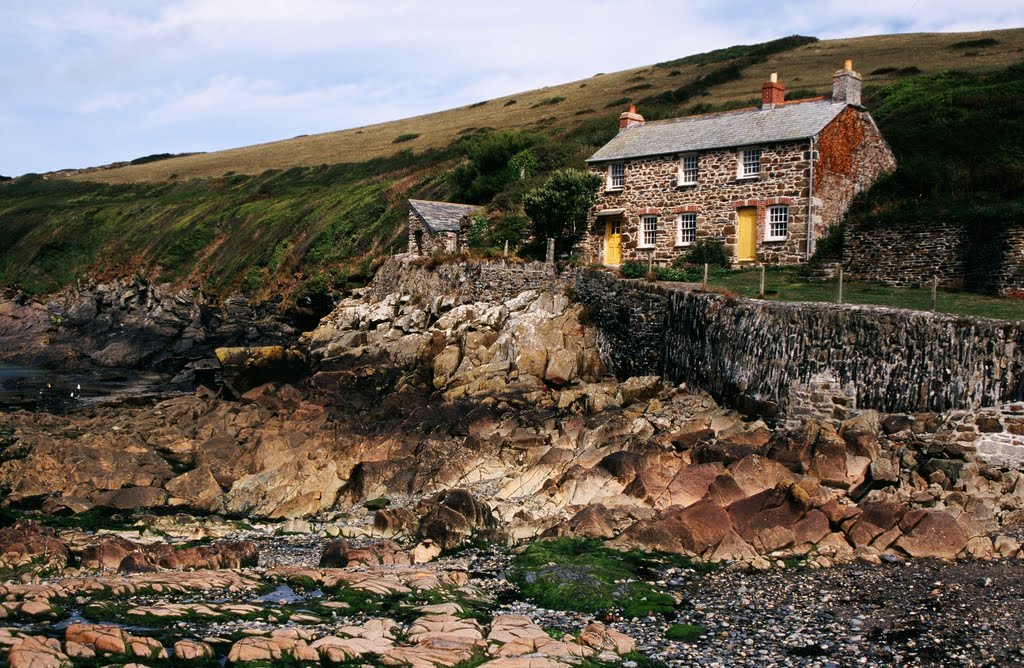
746	247
613	241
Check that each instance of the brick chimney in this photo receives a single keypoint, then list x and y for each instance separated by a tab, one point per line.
846	85
772	92
628	119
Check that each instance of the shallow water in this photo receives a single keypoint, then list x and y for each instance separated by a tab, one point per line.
37	388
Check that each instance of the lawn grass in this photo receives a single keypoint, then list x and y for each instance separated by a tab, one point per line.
789	285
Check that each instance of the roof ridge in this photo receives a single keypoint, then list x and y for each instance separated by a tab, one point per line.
679	119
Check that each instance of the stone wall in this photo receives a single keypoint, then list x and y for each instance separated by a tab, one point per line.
786	360
852	155
493	281
988	258
752	354
424	241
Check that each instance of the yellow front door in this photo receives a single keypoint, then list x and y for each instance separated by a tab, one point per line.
613	241
746	243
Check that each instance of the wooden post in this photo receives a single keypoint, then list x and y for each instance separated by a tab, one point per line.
761	293
650	261
551	252
506	247
705	275
840	300
935	291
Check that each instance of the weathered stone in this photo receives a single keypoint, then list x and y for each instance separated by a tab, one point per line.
931	533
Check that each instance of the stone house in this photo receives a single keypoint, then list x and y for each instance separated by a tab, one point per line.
438	227
766	181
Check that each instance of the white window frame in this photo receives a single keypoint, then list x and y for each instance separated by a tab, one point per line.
691	228
683	180
643	241
776	219
612	176
742	159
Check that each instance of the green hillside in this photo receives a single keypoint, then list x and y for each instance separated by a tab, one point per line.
304	217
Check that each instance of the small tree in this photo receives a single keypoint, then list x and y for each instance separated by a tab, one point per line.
559	208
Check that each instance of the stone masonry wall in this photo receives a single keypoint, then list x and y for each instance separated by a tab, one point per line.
470	281
910	253
423	241
852	155
751	354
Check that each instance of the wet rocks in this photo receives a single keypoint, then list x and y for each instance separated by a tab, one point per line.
130	557
29	545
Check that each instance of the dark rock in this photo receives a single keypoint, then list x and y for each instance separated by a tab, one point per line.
988	424
894	423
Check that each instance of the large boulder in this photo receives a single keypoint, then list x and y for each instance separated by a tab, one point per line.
452	517
692	531
931	533
246	368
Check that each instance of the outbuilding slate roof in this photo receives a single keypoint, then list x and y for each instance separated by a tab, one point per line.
441	216
796	120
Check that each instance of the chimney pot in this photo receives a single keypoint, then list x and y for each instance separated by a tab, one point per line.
632	108
774	78
848	65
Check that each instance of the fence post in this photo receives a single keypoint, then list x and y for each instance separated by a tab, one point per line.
840	285
705	276
650	261
935	291
550	259
506	247
761	293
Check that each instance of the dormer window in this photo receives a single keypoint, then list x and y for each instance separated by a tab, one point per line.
749	163
688	170
616	176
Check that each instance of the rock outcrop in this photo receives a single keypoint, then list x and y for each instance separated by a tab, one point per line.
133	325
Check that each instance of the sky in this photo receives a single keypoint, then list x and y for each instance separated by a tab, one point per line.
89	82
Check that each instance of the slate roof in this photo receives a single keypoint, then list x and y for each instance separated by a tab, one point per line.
745	127
441	216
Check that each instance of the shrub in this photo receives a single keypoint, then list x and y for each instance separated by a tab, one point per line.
547	102
408	136
707	251
489	164
830	246
633	269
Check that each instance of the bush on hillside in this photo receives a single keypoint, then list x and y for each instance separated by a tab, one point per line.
493	161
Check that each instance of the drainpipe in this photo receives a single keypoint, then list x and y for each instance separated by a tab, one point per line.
810	202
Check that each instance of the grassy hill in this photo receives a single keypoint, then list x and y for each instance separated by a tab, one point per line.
304	216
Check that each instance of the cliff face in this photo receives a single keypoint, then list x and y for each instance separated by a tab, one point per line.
132	325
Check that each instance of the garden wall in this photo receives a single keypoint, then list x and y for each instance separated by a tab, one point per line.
755	355
982	256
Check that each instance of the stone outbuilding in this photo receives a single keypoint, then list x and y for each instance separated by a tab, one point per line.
766	181
438	227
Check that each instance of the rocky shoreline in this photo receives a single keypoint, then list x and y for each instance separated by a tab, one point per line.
481	448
